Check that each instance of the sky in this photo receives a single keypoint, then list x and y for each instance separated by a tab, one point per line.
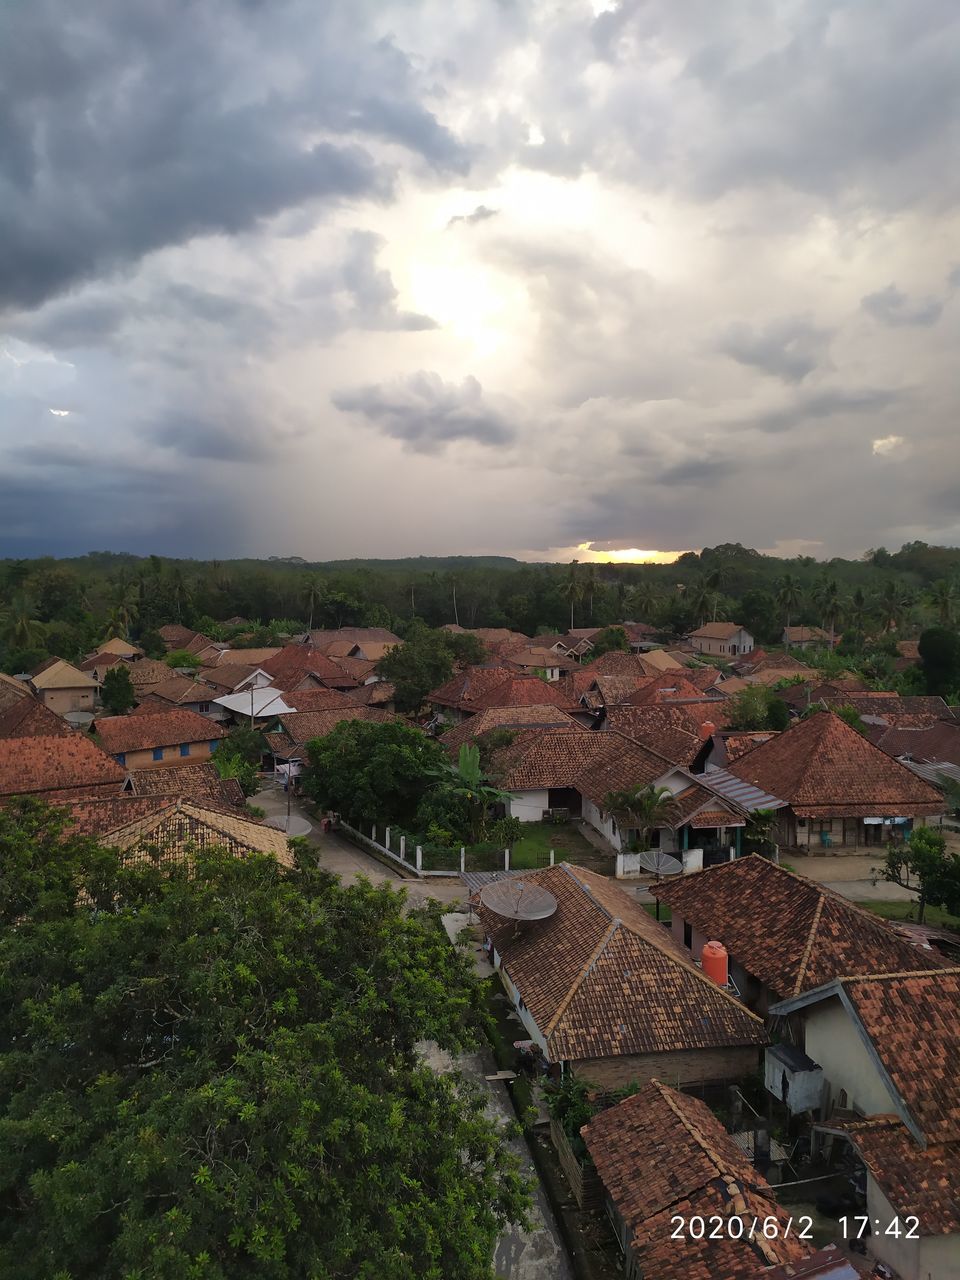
546	279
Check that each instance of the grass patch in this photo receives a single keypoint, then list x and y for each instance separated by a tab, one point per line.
933	916
651	907
568	845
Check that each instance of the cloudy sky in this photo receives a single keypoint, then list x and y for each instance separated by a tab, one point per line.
394	278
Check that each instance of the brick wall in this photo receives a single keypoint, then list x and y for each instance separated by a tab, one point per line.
690	1066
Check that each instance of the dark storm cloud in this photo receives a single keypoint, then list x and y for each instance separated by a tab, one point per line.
789	348
893	307
366	297
480	214
697	471
827	404
128	128
197	437
427	413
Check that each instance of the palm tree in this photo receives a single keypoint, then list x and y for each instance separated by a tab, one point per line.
827	596
858	609
19	624
590	577
466	780
789	596
700	598
717	577
644	598
943	597
452	579
894	602
573	589
312	593
643	809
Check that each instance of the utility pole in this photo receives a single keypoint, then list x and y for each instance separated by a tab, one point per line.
251	706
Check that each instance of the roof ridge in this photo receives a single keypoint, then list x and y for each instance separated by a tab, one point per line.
902	973
584	973
808	948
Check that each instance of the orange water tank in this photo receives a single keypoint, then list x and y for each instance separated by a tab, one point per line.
714	960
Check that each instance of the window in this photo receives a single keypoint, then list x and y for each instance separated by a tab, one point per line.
121	757
184	748
825	824
158	753
213	746
203	707
687	935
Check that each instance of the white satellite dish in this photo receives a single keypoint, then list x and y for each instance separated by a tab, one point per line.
517	899
661	864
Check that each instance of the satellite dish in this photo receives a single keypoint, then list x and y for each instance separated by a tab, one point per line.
661	864
517	899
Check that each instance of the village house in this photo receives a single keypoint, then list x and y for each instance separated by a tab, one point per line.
784	934
151	740
179	691
64	689
58	767
721	639
508	720
291	665
662	1154
29	718
535	660
805	638
198	781
888	1045
832	789
479	687
287	740
606	992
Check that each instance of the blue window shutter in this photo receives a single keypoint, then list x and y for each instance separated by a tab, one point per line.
121	757
158	753
213	746
184	748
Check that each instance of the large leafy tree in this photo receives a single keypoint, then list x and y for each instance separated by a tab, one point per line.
424	661
118	694
372	772
214	1075
755	708
468	790
940	660
642	809
608	640
924	863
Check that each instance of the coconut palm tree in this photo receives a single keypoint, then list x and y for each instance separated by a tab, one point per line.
700	598
313	592
573	589
943	598
895	600
590	580
789	596
19	625
858	610
452	579
643	809
827	597
644	598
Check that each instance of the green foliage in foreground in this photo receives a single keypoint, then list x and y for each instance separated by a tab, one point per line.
214	1076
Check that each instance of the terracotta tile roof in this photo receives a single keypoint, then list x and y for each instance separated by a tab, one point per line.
716	631
574	685
122	648
737	744
199	782
99	662
520	691
924	1182
176	637
601	978
463	688
821	766
33	766
226	676
637	631
536	658
803	635
59	674
657	660
539	759
616	663
376	694
677	731
701	807
182	827
791	933
916	711
704	678
29	718
146	672
12	691
619	765
299	659
666	688
157	729
661	1153
613	689
178	690
304	726
95	815
513	718
245	657
357	635
356	668
321	699
758	660
940	741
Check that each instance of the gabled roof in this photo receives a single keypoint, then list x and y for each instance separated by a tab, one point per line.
12	690
304	726
791	933
119	647
245	657
146	671
521	691
29	718
601	978
539	759
256	702
536	657
375	694
199	782
179	690
659	729
175	636
100	662
915	710
661	1153
910	1022
823	767
182	827
358	635
463	688
717	631
668	687
319	699
226	676
617	663
295	660
801	635
157	729
665	718
940	741
43	765
512	718
57	673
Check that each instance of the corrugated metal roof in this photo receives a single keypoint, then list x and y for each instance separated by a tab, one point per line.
932	771
742	793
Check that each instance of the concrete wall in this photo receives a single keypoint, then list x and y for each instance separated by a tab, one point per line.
831	1039
689	1066
171	755
526	1017
740	642
528	806
929	1258
63	700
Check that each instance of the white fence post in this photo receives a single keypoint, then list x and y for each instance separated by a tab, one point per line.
506	859
403	848
463	859
386	839
373	833
619	871
551	857
419	857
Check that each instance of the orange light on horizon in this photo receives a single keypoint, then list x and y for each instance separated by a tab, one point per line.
629	555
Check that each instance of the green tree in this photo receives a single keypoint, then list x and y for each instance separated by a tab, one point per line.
151	642
19	625
214	1074
423	662
940	660
182	658
923	863
789	596
851	716
943	598
466	784
756	708
642	809
760	829
572	589
232	767
372	772
610	639
117	693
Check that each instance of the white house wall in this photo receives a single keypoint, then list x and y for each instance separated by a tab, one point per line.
528	806
832	1040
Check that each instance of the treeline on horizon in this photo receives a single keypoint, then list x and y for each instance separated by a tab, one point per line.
64	607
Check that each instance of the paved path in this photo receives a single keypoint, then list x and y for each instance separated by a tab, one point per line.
349	862
537	1254
851	875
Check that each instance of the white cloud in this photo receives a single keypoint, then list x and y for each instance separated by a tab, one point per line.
886	445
